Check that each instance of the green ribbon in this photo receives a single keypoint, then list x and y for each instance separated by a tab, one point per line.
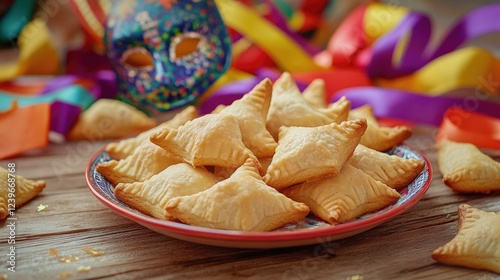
74	95
15	18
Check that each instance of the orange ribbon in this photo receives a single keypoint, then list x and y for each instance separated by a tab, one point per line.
470	127
30	129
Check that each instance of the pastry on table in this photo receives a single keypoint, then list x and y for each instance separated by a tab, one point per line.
477	243
251	111
394	171
242	202
289	108
210	140
377	137
25	190
109	118
151	196
309	153
343	197
147	160
123	148
466	169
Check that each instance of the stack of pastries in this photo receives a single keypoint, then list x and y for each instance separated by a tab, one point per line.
268	159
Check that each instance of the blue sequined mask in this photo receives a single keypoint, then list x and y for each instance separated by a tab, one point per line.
166	53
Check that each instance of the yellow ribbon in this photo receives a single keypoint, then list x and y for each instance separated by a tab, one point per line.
279	46
380	18
37	55
470	67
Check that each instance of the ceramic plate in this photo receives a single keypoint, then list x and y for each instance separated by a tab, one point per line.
310	230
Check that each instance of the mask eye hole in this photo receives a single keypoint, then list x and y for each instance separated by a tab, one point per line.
138	58
186	46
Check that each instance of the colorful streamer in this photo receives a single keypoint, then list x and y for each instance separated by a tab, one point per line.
37	55
414	107
24	129
470	127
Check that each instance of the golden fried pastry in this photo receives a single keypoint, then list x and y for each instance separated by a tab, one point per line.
315	94
394	171
251	111
217	109
147	160
308	153
242	202
344	197
122	149
210	140
341	108
466	169
477	243
377	137
289	108
109	118
151	196
25	190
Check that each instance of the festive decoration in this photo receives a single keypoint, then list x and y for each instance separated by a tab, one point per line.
37	54
13	16
166	53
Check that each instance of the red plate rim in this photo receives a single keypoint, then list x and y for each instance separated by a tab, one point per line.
232	235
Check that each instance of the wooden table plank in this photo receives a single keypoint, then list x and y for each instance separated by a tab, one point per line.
398	249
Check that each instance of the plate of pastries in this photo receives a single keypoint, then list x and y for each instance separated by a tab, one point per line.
275	168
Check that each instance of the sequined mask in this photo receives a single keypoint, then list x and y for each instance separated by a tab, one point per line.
166	53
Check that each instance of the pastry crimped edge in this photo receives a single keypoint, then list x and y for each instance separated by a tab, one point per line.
458	250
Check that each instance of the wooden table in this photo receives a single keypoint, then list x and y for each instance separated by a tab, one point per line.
398	249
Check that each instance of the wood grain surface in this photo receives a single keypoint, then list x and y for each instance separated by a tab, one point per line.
74	220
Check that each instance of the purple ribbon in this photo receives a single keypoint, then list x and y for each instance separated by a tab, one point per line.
105	85
476	23
63	116
414	107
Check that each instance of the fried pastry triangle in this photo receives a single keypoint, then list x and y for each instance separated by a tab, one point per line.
251	111
394	171
25	190
122	149
109	118
308	153
477	243
242	202
210	140
341	108
151	196
315	94
344	197
466	169
147	160
377	137
289	108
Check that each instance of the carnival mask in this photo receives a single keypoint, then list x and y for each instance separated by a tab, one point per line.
166	52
